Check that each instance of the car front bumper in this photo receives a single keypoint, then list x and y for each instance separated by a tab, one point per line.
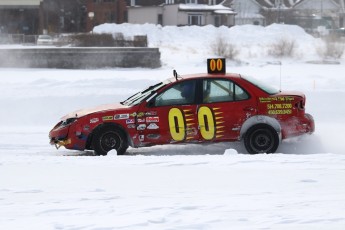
68	136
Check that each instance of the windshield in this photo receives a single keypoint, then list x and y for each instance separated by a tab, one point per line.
142	95
263	86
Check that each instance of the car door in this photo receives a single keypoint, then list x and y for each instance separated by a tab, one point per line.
225	106
170	116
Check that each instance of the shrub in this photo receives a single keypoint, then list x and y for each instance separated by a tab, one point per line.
119	40
283	48
140	41
89	40
224	49
333	48
107	40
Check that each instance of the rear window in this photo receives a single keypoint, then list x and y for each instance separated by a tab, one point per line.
263	86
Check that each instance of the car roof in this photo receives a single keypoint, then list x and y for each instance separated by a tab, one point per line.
206	75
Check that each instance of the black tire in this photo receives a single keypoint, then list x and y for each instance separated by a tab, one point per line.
261	139
107	138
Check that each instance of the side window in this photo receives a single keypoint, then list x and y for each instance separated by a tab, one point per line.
217	90
179	94
240	94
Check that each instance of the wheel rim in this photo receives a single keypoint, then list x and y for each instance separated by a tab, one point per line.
261	141
110	141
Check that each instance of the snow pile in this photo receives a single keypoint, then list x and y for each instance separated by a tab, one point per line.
252	41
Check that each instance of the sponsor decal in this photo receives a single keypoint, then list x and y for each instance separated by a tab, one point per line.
94	120
141	138
152	119
130	121
133	114
131	126
141	120
141	127
275	99
140	114
279	108
151	113
121	116
191	131
153	126
279	111
211	123
153	136
107	118
87	127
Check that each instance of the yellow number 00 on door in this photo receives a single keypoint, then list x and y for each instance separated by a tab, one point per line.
177	124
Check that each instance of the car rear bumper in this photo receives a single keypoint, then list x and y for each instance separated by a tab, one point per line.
309	123
297	126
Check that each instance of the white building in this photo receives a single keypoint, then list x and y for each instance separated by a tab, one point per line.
19	16
21	3
182	14
248	12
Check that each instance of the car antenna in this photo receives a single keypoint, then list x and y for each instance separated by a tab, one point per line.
280	81
175	74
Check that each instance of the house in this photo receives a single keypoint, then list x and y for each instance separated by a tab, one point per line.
62	16
342	14
312	14
248	12
105	11
277	11
309	14
66	16
181	12
19	16
58	16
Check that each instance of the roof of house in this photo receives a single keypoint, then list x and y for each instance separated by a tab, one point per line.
203	4
278	3
20	2
160	2
203	7
342	4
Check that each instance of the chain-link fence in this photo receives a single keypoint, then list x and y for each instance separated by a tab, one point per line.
18	39
83	40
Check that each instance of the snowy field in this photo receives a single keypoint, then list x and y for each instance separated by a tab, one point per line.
173	187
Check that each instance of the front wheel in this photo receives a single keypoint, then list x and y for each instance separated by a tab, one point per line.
108	138
261	139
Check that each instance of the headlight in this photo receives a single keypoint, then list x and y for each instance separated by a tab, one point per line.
68	121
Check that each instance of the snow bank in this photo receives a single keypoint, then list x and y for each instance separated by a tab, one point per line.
252	41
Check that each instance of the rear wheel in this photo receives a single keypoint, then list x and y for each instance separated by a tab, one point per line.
261	139
108	138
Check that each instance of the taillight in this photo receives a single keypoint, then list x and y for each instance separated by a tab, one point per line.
300	104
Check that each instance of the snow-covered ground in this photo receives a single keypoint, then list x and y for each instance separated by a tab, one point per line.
173	187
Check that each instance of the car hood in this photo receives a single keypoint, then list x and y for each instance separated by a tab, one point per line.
101	108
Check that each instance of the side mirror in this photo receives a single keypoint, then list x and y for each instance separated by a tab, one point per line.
151	103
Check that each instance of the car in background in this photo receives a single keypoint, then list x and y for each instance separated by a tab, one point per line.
199	108
340	32
45	40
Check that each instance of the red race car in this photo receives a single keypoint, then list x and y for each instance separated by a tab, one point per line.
200	108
